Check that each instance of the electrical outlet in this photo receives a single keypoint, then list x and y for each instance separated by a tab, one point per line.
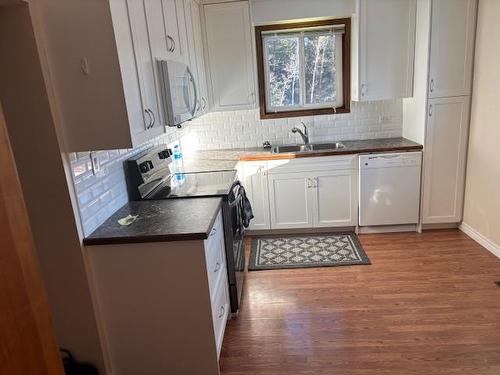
96	163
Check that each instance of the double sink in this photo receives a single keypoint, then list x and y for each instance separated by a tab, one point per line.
307	148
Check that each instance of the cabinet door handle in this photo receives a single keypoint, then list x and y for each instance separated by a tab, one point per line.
214	230
315	179
222	311
149	113
431	85
171	44
309	183
217	267
430	110
154	118
363	89
204	101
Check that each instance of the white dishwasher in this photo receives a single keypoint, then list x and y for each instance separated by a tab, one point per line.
389	188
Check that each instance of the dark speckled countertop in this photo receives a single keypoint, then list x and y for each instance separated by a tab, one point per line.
159	221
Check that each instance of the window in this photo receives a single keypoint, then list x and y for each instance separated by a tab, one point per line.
304	68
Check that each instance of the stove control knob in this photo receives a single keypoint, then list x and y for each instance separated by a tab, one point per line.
164	154
146	166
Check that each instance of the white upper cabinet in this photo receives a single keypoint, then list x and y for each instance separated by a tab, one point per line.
453	25
444	159
173	14
195	53
230	57
383	49
146	27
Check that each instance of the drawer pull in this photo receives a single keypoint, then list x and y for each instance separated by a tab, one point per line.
222	311
214	230
217	267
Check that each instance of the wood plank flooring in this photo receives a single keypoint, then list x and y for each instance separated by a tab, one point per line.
428	304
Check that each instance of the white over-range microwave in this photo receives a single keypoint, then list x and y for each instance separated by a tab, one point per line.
179	92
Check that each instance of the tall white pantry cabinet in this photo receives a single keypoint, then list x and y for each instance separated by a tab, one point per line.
439	113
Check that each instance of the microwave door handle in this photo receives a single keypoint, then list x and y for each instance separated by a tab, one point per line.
195	89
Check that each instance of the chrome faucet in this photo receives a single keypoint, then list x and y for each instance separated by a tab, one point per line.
304	134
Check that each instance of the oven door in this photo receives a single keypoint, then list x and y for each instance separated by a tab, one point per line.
235	248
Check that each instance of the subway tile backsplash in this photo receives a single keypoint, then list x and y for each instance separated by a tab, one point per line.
102	194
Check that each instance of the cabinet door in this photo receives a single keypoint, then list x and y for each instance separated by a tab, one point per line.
452	47
290	200
230	58
195	52
142	37
172	16
255	183
385	53
445	159
335	198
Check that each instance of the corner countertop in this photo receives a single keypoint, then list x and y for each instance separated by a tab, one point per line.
228	158
159	221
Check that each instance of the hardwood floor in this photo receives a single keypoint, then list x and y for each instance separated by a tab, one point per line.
428	304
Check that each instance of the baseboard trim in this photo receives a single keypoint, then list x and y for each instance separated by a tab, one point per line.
480	239
387	229
265	232
440	226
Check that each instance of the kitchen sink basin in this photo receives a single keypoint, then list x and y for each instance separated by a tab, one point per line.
307	148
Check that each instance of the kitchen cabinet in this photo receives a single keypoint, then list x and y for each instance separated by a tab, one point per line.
146	20
104	71
383	49
173	17
318	192
163	306
453	26
438	115
290	201
195	52
335	198
254	177
229	52
445	159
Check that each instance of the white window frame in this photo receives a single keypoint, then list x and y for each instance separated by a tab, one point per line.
339	102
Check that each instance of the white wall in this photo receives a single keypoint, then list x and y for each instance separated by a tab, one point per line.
482	197
269	11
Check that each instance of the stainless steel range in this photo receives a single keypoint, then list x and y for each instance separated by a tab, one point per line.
149	178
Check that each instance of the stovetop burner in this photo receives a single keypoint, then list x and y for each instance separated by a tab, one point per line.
201	184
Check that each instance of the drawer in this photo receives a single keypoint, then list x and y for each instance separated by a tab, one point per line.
220	311
215	254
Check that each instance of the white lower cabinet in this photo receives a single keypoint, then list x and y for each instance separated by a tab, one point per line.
290	201
335	198
303	193
445	158
254	177
163	306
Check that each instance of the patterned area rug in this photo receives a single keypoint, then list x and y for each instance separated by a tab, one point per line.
277	252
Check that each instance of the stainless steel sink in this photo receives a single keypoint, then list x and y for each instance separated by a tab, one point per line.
307	148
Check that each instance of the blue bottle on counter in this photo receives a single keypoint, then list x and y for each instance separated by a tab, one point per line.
177	168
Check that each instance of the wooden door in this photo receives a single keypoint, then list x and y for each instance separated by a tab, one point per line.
445	158
27	342
453	29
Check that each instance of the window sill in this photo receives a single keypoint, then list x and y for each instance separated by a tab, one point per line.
303	112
